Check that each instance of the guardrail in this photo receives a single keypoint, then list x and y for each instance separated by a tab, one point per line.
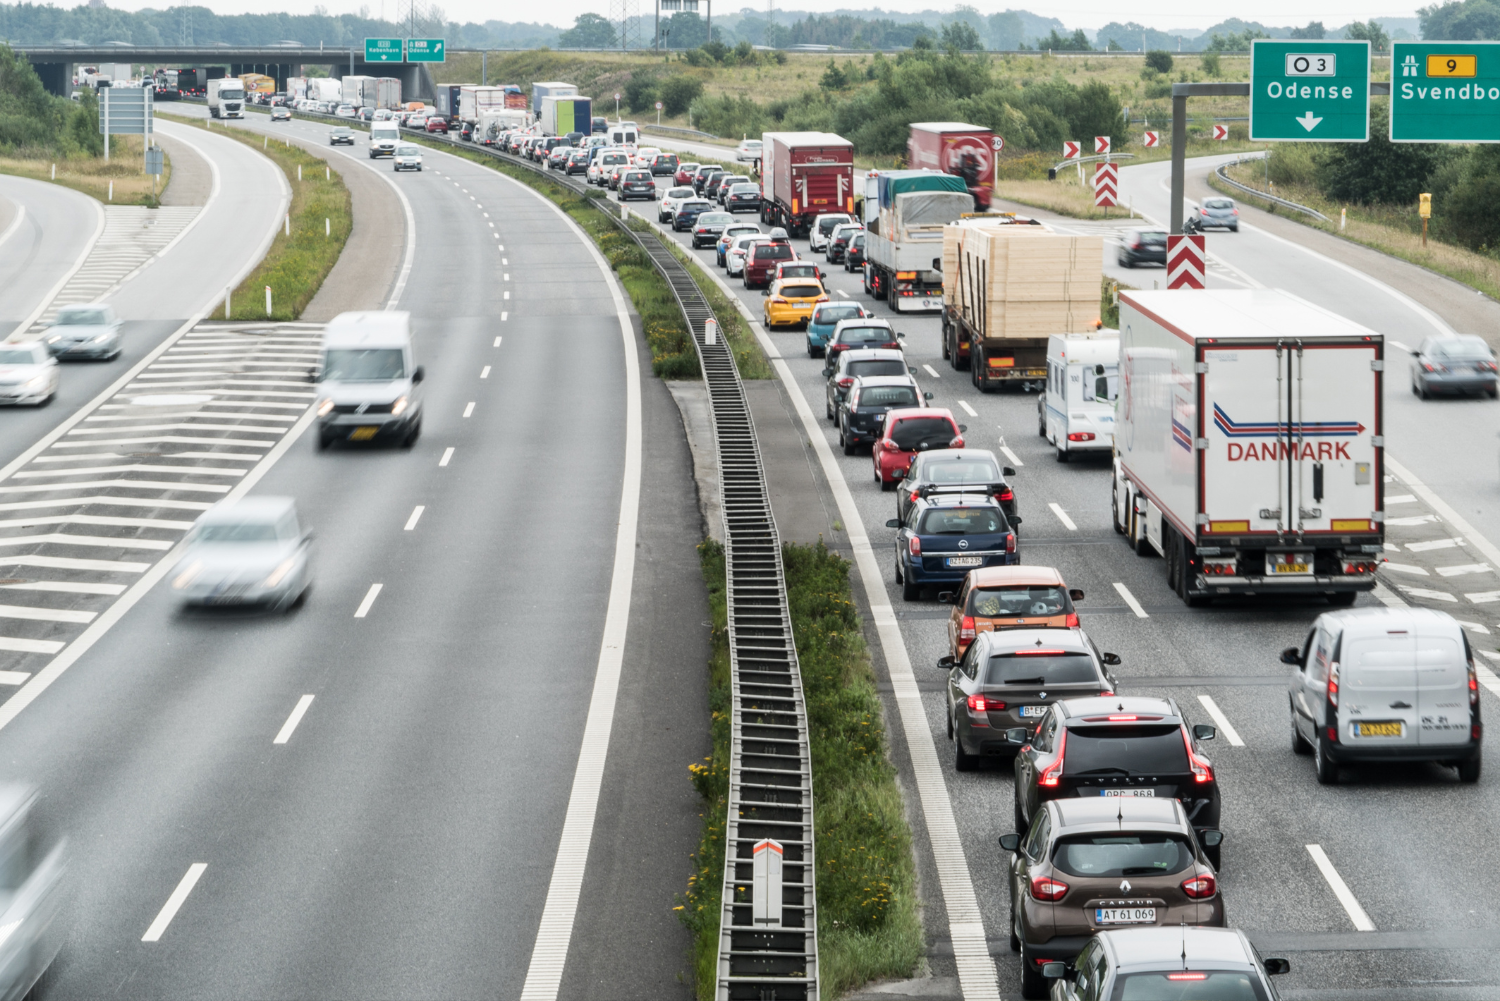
677	130
1263	195
1052	171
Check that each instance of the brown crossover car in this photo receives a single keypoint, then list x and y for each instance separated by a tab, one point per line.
1087	865
1015	597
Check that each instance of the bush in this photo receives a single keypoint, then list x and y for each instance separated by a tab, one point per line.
1211	64
1295	163
1159	60
1464	193
1380	171
640	93
677	93
729	116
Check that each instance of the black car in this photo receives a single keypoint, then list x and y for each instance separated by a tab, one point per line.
704	173
862	411
599	126
637	184
466	132
951	470
1143	246
688	213
710	189
1117	746
1009	679
664	163
838	246
851	365
578	162
854	255
743	196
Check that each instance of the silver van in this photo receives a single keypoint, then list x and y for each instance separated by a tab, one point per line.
1385	684
368	380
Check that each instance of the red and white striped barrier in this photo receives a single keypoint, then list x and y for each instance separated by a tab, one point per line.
1185	262
1106	184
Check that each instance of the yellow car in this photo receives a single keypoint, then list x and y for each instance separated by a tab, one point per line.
790	301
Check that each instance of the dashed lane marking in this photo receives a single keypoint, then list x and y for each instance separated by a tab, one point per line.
1340	889
931	371
968	409
484	373
1135	606
416	515
298	711
174	902
369	600
468	410
1221	721
1062	516
447	454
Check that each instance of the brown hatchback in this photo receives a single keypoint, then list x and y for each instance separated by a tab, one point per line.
1087	865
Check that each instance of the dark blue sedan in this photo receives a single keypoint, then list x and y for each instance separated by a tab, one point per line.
947	535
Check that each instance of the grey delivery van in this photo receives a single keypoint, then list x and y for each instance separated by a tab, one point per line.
368	380
1385	684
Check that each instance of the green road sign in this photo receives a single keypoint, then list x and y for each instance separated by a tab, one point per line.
382	50
1445	92
1309	91
424	50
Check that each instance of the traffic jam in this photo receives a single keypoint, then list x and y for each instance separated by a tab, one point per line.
1238	470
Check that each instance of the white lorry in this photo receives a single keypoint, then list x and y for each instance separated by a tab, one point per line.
226	98
1076	411
1249	445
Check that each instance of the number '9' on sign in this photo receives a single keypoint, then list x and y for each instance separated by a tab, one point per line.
1451	65
1309	64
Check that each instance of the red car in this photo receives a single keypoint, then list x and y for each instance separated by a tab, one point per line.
907	432
685	172
436	124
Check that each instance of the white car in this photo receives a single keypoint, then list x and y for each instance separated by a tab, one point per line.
345	111
408	157
84	330
734	258
823	227
645	156
748	151
247	552
416	121
667	208
604	163
28	374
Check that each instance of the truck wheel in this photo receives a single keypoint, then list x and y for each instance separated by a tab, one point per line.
1114	510
1041	417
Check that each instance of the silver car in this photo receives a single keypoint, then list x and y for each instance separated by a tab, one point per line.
247	552
89	330
748	151
734	259
1216	213
34	904
28	374
1463	364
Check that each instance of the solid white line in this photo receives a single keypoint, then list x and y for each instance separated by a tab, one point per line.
174	902
1135	606
484	373
285	733
15	224
1222	721
469	409
1340	889
411	522
550	954
1062	516
447	454
968	409
364	606
62	283
931	371
1013	457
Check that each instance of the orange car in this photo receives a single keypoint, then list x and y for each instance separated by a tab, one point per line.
1017	597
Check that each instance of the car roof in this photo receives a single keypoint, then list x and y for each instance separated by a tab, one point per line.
1014	640
958	500
863	321
1109	813
1074	709
997	576
957	454
909	412
248	509
871	354
1378	621
885	380
1155	948
369	329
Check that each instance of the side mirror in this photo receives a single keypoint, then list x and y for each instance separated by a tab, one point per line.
893	523
899	474
827	371
1291	655
1016	735
1211	839
962	428
419	374
1276	967
1204	731
948	597
926	396
1016	520
901	336
946	663
1010	842
1113	660
1054	971
912	369
1007	471
1075	593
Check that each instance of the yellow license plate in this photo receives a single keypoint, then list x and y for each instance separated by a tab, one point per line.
1289	568
1388	729
363	434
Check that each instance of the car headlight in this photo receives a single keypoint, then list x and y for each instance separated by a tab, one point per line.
399	407
54	338
325	408
104	337
35	382
188	575
279	574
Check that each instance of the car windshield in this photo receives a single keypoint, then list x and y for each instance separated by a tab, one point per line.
17	356
1189	985
1021	601
826	224
714	218
408	151
681	193
612	159
801	291
1153	236
342	132
253	531
637	175
1218	203
1458	347
1107	856
364	365
81	317
960	471
799	271
1101	383
1142	749
840	311
858	241
917	431
888	396
866	335
773	252
872	366
1042	667
743	189
961	521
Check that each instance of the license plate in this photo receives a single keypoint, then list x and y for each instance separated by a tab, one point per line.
965	561
1127	792
1295	565
1124	915
1030	711
1389	728
363	434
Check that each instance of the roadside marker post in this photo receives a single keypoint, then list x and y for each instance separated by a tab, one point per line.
998	144
1106	185
1221	132
1101	145
767	884
1186	258
1073	150
1151	140
1424	209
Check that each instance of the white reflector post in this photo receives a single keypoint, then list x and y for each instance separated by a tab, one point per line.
711	336
767	886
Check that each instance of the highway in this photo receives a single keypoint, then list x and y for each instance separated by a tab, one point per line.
471	604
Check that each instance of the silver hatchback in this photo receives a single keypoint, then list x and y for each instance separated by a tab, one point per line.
247	552
89	330
1463	364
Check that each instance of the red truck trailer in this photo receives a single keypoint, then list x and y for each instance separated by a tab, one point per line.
802	176
966	151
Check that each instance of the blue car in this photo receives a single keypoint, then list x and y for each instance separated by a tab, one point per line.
947	535
824	318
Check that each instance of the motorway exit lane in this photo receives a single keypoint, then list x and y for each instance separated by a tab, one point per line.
53	227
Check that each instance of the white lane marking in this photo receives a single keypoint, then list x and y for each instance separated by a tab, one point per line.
20	645
1399	346
1483	597
1399	499
1467	568
469	409
285	733
1013	457
1487	677
1405	568
507	295
66	587
502	246
968	409
1416	519
174	902
550	954
931	371
1340	889
1387	597
505	261
416	513
843	293
364	606
507	276
447	454
1427	592
1062	516
45	614
1135	606
1222	721
15	224
484	373
1474	626
19	677
1427	547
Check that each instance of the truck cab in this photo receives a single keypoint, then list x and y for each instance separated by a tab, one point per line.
1076	411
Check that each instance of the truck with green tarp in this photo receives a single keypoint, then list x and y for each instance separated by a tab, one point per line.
904	215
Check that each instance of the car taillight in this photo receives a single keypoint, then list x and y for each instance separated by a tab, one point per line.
1473	685
1202	772
1047	888
985	704
1052	774
1072	623
1005	495
1200	887
966	630
846	382
822	298
780	300
892	344
914	546
1081	436
1359	566
888	443
1333	684
1010	542
1236	211
956	442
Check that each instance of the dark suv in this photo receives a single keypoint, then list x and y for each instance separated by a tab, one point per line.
1117	747
861	413
762	258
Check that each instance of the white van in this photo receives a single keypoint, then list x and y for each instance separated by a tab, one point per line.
621	135
368	379
1076	411
1385	684
383	138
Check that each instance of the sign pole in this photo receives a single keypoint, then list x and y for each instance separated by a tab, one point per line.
106	127
1179	154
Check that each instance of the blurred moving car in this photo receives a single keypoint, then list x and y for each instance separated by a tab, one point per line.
28	374
252	551
1166	962
1463	364
999	598
748	151
341	135
1142	246
948	535
408	157
36	893
281	113
367	383
790	301
1214	213
824	318
87	330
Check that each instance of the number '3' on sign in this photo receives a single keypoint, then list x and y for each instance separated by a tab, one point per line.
1309	64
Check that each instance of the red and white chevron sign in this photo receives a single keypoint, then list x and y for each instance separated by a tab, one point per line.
1070	149
1106	184
1152	140
1185	262
1101	145
1221	132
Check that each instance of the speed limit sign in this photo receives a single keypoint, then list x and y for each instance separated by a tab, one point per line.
617	97
998	142
659	105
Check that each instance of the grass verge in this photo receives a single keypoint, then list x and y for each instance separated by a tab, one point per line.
1063	196
1391	230
748	355
868	925
297	261
92	176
